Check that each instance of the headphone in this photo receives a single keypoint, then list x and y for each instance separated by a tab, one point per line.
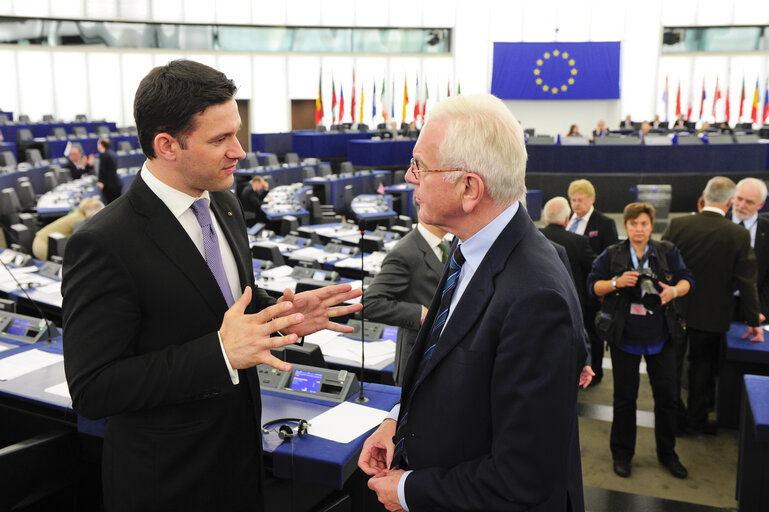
285	431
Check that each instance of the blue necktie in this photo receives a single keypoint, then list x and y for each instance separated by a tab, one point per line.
455	268
211	248
575	224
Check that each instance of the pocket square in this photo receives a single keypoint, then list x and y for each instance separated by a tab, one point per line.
592	234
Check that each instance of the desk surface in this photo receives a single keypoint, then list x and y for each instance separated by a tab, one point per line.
757	389
744	350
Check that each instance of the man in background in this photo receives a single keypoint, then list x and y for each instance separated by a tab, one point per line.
109	182
252	197
78	164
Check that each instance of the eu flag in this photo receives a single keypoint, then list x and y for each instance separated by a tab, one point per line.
556	71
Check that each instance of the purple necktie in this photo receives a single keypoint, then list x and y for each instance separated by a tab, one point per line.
211	247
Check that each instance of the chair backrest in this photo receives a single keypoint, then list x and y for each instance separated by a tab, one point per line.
56	245
346	167
23	135
348	198
9	202
24	118
49	181
267	251
541	140
249	162
102	130
271	160
33	155
26	195
4	118
59	132
399	176
76	144
7	159
308	172
124	145
22	236
324	169
292	158
79	131
81	117
47	118
320	128
62	174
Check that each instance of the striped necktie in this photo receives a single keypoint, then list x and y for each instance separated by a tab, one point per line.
455	268
211	247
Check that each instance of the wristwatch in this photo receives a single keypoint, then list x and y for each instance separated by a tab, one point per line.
614	283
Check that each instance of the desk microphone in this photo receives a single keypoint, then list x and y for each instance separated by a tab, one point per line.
362	399
48	336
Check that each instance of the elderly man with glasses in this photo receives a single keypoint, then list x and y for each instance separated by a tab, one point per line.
488	411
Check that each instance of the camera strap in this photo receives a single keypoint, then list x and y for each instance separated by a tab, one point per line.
639	264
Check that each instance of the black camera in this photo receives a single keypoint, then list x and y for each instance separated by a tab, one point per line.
647	285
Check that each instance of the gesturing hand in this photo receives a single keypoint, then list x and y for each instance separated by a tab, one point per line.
317	308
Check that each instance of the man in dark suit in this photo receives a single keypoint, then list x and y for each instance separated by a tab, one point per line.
109	182
749	198
78	164
487	419
601	232
164	326
252	196
718	252
405	285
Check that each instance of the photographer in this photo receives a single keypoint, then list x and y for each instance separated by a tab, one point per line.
638	280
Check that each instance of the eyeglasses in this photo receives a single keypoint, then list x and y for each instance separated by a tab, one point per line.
414	167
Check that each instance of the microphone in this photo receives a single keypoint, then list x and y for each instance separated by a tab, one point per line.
362	399
48	324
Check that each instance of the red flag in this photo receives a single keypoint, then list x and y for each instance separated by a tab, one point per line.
727	104
716	97
678	100
352	102
742	99
341	102
417	109
766	103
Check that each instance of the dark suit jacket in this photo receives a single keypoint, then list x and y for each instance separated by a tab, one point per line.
252	201
108	176
492	419
761	248
601	231
74	171
141	312
718	252
408	279
580	254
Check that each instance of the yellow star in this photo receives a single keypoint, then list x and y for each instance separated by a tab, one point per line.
571	62
563	88
571	81
555	53
554	90
573	71
565	55
547	55
539	62
536	72
545	88
539	81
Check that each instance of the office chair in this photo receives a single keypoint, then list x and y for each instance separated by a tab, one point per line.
124	146
56	244
320	128
23	237
26	195
348	200
9	207
48	118
62	175
7	159
49	180
24	118
81	117
102	130
346	167
33	156
399	177
4	119
324	169
79	132
270	160
292	159
24	135
58	132
287	224
308	172
267	251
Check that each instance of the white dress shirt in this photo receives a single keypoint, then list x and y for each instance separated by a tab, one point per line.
583	224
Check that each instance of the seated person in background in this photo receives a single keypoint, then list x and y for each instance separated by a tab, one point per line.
656	124
574	131
78	164
704	128
87	208
628	275
253	195
645	128
627	123
680	123
402	290
600	129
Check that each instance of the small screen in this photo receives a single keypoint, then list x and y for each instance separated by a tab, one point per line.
306	381
390	333
300	242
345	250
388	236
18	327
257	264
319	275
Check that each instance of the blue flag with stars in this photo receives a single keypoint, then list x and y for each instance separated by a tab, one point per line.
556	71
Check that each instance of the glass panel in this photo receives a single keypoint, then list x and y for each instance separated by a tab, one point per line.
714	39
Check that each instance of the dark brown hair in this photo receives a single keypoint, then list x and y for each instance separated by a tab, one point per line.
633	210
170	96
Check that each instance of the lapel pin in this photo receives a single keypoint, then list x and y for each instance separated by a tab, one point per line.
229	214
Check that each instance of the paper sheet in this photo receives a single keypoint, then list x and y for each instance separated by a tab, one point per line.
341	350
60	389
346	422
26	362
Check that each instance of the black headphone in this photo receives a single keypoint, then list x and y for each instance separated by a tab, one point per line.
285	431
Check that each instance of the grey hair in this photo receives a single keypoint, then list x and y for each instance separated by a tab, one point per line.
556	211
719	190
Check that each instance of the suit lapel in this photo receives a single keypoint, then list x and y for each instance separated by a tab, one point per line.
475	298
165	231
428	255
236	238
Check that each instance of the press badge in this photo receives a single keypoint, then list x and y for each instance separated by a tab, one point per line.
637	309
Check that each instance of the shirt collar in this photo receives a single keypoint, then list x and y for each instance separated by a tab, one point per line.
587	215
474	249
748	223
430	238
176	201
713	209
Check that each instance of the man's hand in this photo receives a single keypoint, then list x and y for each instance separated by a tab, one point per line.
756	334
586	377
246	338
377	452
385	485
100	185
317	307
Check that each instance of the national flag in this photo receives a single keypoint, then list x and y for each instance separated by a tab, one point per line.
416	104
361	104
727	104
352	102
754	110
392	101
427	96
765	117
678	101
319	101
716	97
405	97
341	102
380	190
333	101
702	98
373	104
384	102
665	97
459	88
68	148
742	99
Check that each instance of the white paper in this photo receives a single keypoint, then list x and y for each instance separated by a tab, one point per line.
60	389
341	350
281	271
346	422
26	362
